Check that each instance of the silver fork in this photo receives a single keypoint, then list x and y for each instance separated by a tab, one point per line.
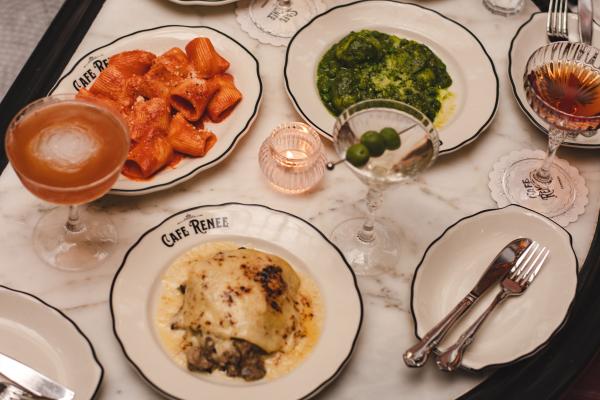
518	280
11	392
556	26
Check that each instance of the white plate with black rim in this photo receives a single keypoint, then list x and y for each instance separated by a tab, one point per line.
244	67
529	37
42	337
475	82
213	3
520	326
134	298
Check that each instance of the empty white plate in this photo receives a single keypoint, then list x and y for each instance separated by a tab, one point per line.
135	292
531	36
520	326
42	337
244	68
475	83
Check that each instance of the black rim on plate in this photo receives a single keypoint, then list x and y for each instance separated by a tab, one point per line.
63	315
522	105
542	376
311	122
448	229
204	165
137	242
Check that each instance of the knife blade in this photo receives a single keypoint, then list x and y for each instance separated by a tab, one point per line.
585	13
33	381
500	266
417	355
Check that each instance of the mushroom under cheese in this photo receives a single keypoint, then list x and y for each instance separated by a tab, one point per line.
240	310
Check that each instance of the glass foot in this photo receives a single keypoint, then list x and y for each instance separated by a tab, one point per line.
367	258
69	251
504	7
551	199
563	198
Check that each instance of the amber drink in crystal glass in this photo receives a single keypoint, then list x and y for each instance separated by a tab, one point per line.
68	151
562	85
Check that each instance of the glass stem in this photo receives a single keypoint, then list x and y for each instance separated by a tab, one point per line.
374	200
542	174
74	224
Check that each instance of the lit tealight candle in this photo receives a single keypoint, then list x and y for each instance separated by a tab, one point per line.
292	158
295	155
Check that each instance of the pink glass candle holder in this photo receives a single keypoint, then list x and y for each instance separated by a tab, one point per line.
292	158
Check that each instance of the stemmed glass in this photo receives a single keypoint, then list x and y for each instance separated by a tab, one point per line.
562	85
369	244
69	152
282	18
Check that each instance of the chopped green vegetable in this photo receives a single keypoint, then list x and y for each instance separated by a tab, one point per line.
374	142
374	65
357	155
391	138
359	48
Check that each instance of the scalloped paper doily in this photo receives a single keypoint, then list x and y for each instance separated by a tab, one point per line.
497	188
242	12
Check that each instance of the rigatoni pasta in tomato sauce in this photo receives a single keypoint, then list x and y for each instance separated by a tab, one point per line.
165	100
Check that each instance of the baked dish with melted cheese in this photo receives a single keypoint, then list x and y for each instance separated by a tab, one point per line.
240	311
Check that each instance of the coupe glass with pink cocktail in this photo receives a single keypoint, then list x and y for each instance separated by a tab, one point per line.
69	152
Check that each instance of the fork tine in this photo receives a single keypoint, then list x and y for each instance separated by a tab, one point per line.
524	258
516	264
553	18
556	16
520	259
524	275
550	16
537	269
563	22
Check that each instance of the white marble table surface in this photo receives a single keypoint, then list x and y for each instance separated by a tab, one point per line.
455	187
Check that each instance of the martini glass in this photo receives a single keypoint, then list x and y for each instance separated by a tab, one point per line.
282	18
69	152
370	245
562	85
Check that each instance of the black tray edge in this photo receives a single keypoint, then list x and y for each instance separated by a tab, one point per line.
48	60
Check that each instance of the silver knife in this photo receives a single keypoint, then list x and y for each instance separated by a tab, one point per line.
585	12
32	381
418	354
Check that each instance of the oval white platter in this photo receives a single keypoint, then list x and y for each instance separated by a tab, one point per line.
134	297
244	67
529	37
45	339
453	263
475	82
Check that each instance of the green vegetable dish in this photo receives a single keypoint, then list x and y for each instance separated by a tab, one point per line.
373	65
